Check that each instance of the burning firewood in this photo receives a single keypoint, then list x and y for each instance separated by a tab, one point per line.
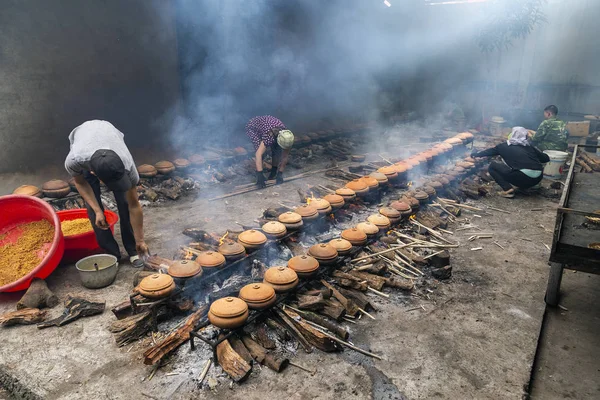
314	337
232	363
261	355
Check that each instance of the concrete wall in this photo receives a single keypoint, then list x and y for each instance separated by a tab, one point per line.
65	62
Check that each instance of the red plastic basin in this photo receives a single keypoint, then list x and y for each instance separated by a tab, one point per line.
16	210
84	244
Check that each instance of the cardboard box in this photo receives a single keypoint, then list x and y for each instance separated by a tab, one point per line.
579	129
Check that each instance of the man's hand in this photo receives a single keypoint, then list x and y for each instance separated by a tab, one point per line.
279	178
142	249
260	180
101	221
273	174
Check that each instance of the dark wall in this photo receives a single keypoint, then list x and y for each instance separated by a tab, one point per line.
62	63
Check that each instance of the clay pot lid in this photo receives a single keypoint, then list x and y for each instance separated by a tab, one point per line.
274	228
156	282
460	170
146	169
388	171
181	163
323	251
470	159
210	258
306	210
390	212
340	244
28	190
231	248
280	275
304	264
357	185
413	162
400	167
421	195
370	181
368	228
436	184
257	293
381	177
429	190
334	199
400	206
55	184
184	268
321	204
354	235
345	192
465	164
164	165
379	220
240	151
253	237
414	203
197	159
289	217
453	141
228	307
444	180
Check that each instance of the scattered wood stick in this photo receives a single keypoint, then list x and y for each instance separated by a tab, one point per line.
366	313
204	371
499	210
351	346
433	232
476	248
377	254
293	364
434	254
499	245
377	292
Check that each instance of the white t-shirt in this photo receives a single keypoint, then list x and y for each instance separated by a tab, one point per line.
95	135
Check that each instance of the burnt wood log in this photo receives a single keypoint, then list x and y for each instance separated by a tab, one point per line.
584	166
131	328
238	346
202	236
24	316
415	258
350	307
75	308
282	334
441	260
231	362
359	298
262	337
288	324
442	273
174	339
399	283
374	281
37	296
338	330
315	337
595	165
157	263
351	284
123	309
261	355
311	302
324	292
333	309
378	267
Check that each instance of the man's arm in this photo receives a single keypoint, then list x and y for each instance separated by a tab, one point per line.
540	134
259	156
486	153
284	160
86	191
136	215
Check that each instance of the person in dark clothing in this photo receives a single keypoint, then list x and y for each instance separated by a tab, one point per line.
522	166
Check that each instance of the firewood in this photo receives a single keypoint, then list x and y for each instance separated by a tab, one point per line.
352	284
349	305
37	296
174	339
338	330
261	355
288	324
441	259
261	336
201	246
579	161
201	235
238	346
157	263
415	258
311	302
24	316
324	292
399	283
442	273
379	267
280	331
593	163
123	309
75	308
231	362
333	309
374	281
361	299
131	328
315	337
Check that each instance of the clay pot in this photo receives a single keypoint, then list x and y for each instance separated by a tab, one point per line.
210	259
390	172
465	164
252	239
342	246
28	190
72	185
240	151
346	193
181	163
429	190
412	202
232	250
308	212
381	178
422	197
380	221
358	157
291	220
258	296
412	162
304	266
436	185
196	160
282	279
274	230
147	171
359	187
56	189
228	313
368	228
322	205
324	253
371	182
164	167
459	170
454	141
391	213
444	180
355	236
156	286
184	269
335	200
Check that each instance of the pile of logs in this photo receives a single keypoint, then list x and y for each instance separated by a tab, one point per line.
587	162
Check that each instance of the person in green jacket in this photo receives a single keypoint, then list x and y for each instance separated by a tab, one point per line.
551	135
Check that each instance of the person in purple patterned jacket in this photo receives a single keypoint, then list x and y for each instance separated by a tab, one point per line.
267	131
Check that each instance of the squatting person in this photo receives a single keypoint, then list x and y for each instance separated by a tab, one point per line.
551	134
522	163
267	131
98	153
